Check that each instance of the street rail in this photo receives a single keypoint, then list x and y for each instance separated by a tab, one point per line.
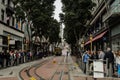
61	73
29	71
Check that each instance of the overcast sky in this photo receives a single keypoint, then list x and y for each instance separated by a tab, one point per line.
58	10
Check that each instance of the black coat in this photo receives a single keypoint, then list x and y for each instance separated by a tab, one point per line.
94	56
109	55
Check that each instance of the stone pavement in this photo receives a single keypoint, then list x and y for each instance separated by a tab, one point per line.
12	73
77	74
47	70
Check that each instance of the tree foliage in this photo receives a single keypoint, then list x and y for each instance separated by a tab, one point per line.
40	12
76	14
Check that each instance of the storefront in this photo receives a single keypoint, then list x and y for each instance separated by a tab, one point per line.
100	41
15	41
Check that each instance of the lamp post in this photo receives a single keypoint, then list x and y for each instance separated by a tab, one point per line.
8	37
91	38
82	45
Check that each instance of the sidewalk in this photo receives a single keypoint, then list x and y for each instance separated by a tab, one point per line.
12	73
47	70
77	74
75	71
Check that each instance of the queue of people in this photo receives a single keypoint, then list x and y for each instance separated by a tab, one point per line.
16	57
113	59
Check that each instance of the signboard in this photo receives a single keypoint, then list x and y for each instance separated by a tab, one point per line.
98	69
12	42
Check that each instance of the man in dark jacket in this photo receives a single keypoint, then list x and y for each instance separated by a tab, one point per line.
110	56
2	59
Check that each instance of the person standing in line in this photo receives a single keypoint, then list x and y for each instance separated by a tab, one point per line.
85	58
94	56
1	59
8	58
11	57
117	59
110	56
101	54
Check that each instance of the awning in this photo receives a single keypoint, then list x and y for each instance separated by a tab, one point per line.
97	37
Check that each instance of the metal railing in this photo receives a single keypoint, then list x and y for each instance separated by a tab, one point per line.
89	70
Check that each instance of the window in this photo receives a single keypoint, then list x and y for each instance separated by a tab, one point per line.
8	2
2	15
3	1
8	22
13	19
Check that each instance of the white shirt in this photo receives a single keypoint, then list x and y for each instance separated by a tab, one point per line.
118	60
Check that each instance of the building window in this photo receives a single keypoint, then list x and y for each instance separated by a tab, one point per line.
13	19
8	2
2	15
5	41
8	20
3	1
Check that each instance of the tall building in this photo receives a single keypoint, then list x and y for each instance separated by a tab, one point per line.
104	25
11	34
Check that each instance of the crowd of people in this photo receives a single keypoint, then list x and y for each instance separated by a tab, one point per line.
16	57
109	56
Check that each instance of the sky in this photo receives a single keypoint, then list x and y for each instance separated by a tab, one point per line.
58	10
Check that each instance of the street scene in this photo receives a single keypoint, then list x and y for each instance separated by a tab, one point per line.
59	39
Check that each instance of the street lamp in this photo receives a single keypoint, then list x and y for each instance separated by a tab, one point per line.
82	44
91	38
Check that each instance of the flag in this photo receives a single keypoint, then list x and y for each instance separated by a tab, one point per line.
16	25
19	24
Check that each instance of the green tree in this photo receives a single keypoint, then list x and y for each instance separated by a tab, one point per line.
40	12
54	31
76	14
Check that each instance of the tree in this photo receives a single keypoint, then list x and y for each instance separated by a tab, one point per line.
76	15
54	31
40	12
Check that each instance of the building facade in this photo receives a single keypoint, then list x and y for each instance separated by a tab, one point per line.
11	35
104	26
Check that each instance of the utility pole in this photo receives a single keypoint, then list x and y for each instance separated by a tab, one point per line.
8	37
